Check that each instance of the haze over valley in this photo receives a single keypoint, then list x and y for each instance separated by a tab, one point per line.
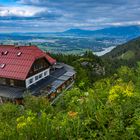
75	40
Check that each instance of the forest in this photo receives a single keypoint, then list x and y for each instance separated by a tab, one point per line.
104	104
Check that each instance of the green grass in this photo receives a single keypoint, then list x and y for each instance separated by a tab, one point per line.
127	55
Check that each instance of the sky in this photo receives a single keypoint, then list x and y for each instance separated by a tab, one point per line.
61	15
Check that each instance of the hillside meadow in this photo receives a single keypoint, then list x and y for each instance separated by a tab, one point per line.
107	109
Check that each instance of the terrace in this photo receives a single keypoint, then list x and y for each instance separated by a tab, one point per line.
61	78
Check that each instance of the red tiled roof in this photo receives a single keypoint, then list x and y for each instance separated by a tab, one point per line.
17	67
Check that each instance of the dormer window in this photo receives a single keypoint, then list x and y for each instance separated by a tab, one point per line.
2	66
19	53
6	52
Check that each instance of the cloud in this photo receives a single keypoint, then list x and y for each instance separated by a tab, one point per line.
24	11
58	15
82	10
33	2
27	13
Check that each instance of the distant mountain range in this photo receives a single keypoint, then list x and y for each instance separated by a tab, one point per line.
126	31
76	40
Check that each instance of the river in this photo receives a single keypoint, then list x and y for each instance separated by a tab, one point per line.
106	50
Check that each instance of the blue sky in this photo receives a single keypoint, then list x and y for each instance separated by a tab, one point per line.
60	15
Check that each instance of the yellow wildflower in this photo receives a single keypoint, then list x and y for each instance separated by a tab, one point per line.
20	119
112	97
21	125
72	114
29	120
125	90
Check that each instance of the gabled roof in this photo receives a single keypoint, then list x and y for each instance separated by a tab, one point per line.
18	60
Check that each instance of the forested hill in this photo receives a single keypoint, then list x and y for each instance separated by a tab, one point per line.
129	50
123	31
127	53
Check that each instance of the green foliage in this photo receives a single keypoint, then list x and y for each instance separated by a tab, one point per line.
126	54
87	73
107	110
104	109
37	104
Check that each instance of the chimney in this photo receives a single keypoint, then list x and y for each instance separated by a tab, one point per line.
30	44
16	45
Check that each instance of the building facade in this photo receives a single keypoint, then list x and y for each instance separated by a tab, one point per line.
25	68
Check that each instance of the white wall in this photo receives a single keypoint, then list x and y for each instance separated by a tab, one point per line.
34	78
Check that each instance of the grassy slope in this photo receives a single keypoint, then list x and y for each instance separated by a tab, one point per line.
127	55
127	51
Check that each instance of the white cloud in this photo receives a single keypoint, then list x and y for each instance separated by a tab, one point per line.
34	2
24	11
127	23
58	15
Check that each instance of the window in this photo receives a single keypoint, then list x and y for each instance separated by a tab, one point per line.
35	68
40	76
36	78
12	83
45	73
2	66
58	90
64	86
30	81
2	81
38	66
19	53
6	52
